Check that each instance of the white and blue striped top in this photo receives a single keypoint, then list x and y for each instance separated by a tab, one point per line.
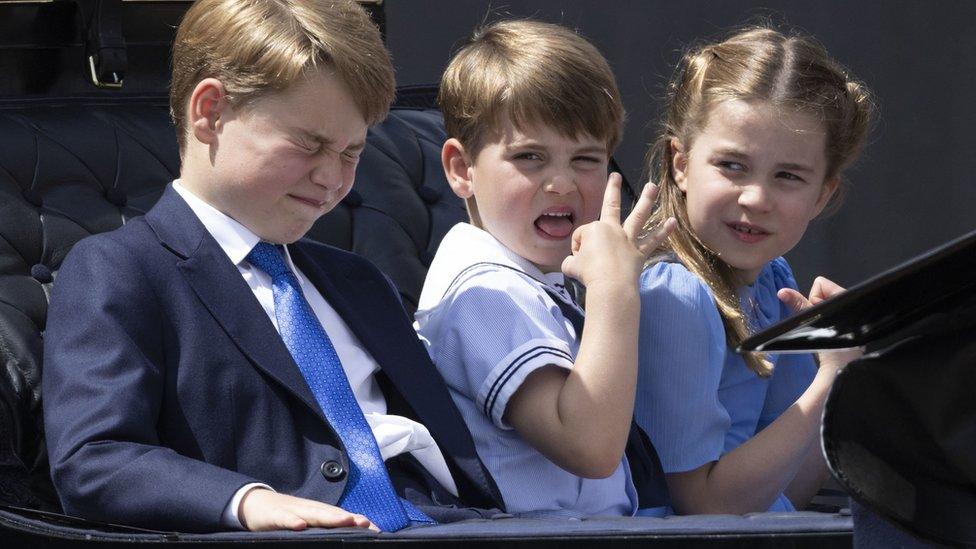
488	322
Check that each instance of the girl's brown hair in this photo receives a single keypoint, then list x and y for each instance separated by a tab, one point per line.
756	64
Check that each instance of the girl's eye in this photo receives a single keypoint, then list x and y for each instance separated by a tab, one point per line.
789	176
528	156
732	166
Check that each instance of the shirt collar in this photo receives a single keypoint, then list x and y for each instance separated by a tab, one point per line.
234	239
466	245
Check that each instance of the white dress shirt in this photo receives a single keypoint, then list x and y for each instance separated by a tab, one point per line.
394	434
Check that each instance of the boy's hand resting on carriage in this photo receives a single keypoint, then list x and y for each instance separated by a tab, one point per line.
262	509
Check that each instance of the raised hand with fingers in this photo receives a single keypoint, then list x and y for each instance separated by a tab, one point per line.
821	290
611	251
580	419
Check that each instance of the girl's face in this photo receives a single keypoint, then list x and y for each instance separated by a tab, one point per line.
753	178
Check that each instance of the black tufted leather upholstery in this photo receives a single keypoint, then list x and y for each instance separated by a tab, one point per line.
71	168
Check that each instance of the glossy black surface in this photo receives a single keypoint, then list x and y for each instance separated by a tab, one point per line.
926	289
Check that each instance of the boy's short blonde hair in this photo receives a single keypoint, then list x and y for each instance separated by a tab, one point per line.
258	46
534	73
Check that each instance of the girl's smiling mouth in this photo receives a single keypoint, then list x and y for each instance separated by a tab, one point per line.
747	232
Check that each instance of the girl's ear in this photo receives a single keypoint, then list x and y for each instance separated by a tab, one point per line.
828	189
457	168
679	163
207	102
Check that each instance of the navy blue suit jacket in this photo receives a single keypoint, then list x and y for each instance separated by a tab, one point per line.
166	387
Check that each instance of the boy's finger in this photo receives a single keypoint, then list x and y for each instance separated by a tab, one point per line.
363	521
652	239
611	199
330	517
577	241
570	268
634	224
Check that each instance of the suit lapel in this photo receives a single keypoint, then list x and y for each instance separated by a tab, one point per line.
370	312
219	286
365	307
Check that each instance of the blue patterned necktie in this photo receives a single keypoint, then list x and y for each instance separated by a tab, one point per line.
368	490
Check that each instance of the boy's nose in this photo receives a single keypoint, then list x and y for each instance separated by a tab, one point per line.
560	183
327	173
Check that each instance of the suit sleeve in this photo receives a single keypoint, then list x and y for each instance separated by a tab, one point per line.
104	377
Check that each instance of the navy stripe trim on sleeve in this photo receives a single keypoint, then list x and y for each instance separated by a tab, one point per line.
514	367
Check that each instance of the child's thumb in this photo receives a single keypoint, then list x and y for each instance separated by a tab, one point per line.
570	267
793	299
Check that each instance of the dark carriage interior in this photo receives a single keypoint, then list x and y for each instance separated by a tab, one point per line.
80	155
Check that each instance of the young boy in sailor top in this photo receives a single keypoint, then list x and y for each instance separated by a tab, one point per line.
533	113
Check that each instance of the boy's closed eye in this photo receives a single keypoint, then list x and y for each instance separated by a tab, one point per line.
312	147
588	161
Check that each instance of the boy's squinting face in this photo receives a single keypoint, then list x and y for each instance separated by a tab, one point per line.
753	179
289	157
533	187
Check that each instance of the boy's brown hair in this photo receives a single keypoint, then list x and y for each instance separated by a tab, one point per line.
534	73
258	46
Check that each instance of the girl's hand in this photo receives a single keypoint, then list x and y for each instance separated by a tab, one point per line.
606	250
822	289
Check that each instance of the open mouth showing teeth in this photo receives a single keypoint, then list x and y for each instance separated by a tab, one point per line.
746	229
555	224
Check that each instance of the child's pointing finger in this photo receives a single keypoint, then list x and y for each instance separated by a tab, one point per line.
634	224
611	199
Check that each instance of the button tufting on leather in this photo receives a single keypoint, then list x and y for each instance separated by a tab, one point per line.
353	199
428	195
41	273
116	197
33	197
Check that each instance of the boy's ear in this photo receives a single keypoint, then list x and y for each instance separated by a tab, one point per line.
207	102
828	189
679	163
457	166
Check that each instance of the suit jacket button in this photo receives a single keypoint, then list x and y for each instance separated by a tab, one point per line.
333	471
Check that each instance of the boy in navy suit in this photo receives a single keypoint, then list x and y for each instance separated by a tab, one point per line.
205	369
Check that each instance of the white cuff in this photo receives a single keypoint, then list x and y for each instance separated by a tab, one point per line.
229	518
507	376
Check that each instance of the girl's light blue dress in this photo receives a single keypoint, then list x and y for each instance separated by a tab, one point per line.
696	398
